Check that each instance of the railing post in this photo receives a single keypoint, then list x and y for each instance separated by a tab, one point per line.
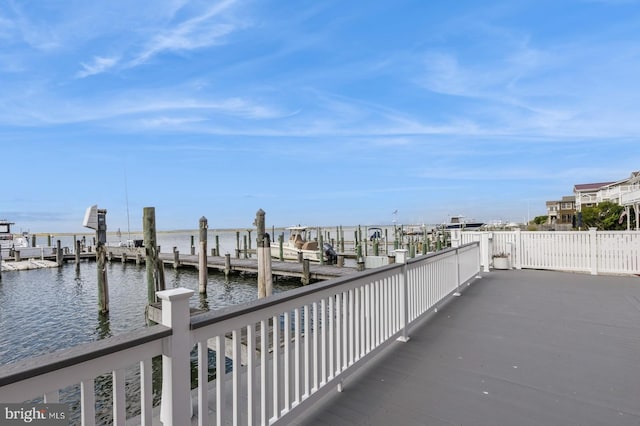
401	257
484	251
457	257
176	370
593	246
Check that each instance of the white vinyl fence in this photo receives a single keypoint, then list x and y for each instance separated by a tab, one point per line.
595	252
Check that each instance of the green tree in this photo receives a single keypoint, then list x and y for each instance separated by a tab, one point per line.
605	216
540	220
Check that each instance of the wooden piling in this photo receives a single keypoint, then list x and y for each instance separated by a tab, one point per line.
78	245
227	265
103	283
306	272
154	267
202	258
176	258
265	280
238	244
193	246
244	246
217	245
59	253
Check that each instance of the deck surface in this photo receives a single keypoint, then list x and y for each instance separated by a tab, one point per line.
517	348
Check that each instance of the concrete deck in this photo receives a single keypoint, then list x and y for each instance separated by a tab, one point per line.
518	348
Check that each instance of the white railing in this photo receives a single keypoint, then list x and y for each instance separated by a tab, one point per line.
606	252
49	376
631	197
284	352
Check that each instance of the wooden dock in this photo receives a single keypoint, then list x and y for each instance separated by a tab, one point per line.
218	263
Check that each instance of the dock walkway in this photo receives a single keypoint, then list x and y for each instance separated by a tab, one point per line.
250	265
287	269
518	348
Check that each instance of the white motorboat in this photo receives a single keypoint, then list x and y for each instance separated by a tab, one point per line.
459	222
297	246
8	240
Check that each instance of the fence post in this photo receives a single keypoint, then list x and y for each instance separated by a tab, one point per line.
401	257
519	251
457	292
593	252
176	368
484	251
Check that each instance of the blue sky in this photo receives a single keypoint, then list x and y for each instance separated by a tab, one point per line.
318	112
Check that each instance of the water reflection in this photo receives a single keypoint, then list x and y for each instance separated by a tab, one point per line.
204	303
103	328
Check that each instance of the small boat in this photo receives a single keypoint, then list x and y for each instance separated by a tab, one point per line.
458	222
8	240
297	245
414	230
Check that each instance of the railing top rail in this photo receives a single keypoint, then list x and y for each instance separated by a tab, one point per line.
221	315
25	369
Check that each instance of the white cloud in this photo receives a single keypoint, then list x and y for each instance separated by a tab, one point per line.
194	33
98	66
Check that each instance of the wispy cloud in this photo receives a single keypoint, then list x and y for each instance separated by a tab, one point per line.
197	32
99	65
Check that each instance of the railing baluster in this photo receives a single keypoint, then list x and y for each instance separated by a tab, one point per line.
307	352
316	347
345	330
338	354
251	366
367	301
297	357
119	405
236	365
356	315
323	328
88	402
264	349
276	360
146	391
350	309
287	361
220	373
203	384
331	353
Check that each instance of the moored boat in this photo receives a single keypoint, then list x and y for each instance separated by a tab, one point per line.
8	240
297	245
459	222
